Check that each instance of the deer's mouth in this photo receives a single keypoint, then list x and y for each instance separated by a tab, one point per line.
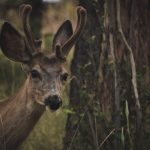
53	102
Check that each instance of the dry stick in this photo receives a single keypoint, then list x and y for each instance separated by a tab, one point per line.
106	139
92	130
117	119
116	87
133	69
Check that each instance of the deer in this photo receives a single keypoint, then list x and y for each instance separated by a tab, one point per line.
45	75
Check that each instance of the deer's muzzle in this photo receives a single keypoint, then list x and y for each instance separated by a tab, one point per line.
54	102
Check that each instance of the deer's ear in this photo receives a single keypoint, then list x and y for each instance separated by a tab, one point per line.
63	34
13	44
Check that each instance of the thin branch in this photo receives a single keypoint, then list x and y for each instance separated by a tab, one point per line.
102	143
133	68
116	86
92	130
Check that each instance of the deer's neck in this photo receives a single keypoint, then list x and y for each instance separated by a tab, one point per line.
18	115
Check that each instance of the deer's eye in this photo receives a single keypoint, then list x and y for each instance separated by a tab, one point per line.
35	74
64	77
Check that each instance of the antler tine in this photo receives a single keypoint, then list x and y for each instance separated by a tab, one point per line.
20	9
25	11
82	17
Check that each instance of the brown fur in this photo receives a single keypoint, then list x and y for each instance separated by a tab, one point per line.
19	114
18	117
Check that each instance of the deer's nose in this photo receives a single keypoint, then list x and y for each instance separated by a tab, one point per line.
54	102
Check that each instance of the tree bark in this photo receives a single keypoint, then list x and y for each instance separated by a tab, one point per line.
84	92
111	78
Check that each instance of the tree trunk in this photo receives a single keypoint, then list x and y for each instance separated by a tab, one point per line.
111	78
84	92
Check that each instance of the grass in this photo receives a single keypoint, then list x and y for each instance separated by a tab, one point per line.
48	133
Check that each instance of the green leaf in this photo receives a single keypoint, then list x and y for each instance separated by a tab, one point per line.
68	111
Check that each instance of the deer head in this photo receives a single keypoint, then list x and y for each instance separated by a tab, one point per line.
46	73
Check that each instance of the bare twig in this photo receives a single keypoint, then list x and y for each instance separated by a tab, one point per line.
102	143
116	86
95	142
133	69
